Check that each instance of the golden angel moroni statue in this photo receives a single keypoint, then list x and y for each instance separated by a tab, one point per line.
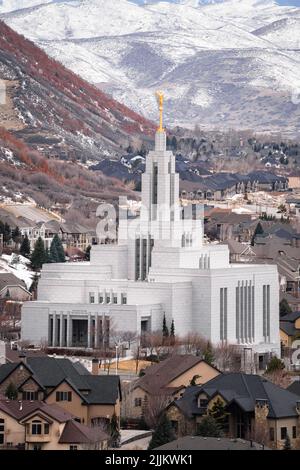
160	99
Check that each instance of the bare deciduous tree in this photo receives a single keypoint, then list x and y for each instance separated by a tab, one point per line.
227	357
193	343
153	407
280	378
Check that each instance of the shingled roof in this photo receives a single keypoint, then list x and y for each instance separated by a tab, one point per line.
21	409
76	433
291	317
158	376
51	372
104	389
288	328
244	390
73	432
9	280
294	387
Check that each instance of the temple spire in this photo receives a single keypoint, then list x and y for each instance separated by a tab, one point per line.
160	99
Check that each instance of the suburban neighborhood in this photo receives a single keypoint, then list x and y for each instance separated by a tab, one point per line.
149	232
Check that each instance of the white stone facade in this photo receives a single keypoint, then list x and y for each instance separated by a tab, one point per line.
164	269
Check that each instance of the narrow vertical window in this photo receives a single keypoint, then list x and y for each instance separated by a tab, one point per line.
237	312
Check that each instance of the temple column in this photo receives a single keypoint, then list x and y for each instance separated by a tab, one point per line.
96	331
89	330
54	331
69	327
61	338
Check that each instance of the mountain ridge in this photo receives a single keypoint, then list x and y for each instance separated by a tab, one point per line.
53	125
243	62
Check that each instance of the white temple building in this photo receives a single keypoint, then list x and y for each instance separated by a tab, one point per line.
158	267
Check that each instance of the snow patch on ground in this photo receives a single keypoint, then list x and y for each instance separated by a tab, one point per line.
19	266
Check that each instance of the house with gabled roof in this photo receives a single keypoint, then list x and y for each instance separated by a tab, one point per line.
13	288
290	328
254	406
35	425
167	380
92	399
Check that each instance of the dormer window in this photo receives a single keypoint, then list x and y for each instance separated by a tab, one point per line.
203	403
36	428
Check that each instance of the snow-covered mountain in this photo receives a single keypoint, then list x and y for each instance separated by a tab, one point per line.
13	5
233	63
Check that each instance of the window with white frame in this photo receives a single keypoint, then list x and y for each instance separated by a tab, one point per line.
36	428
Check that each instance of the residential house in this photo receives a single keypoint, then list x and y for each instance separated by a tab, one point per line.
223	185
290	328
276	246
11	352
225	226
92	399
167	379
254	405
35	425
240	252
13	293
72	235
286	257
12	288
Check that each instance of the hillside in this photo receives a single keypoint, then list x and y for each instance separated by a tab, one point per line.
53	124
226	64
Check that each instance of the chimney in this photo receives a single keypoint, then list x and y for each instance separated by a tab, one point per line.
23	357
95	367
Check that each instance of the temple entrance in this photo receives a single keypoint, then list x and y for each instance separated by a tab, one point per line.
80	333
145	328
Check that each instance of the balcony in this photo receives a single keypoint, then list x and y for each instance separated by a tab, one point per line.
40	438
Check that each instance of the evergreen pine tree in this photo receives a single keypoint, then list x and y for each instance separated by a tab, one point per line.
165	329
53	254
88	253
219	413
16	235
59	249
11	392
287	443
47	258
284	307
209	427
25	247
172	333
34	285
208	355
38	256
115	436
6	233
258	231
163	433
